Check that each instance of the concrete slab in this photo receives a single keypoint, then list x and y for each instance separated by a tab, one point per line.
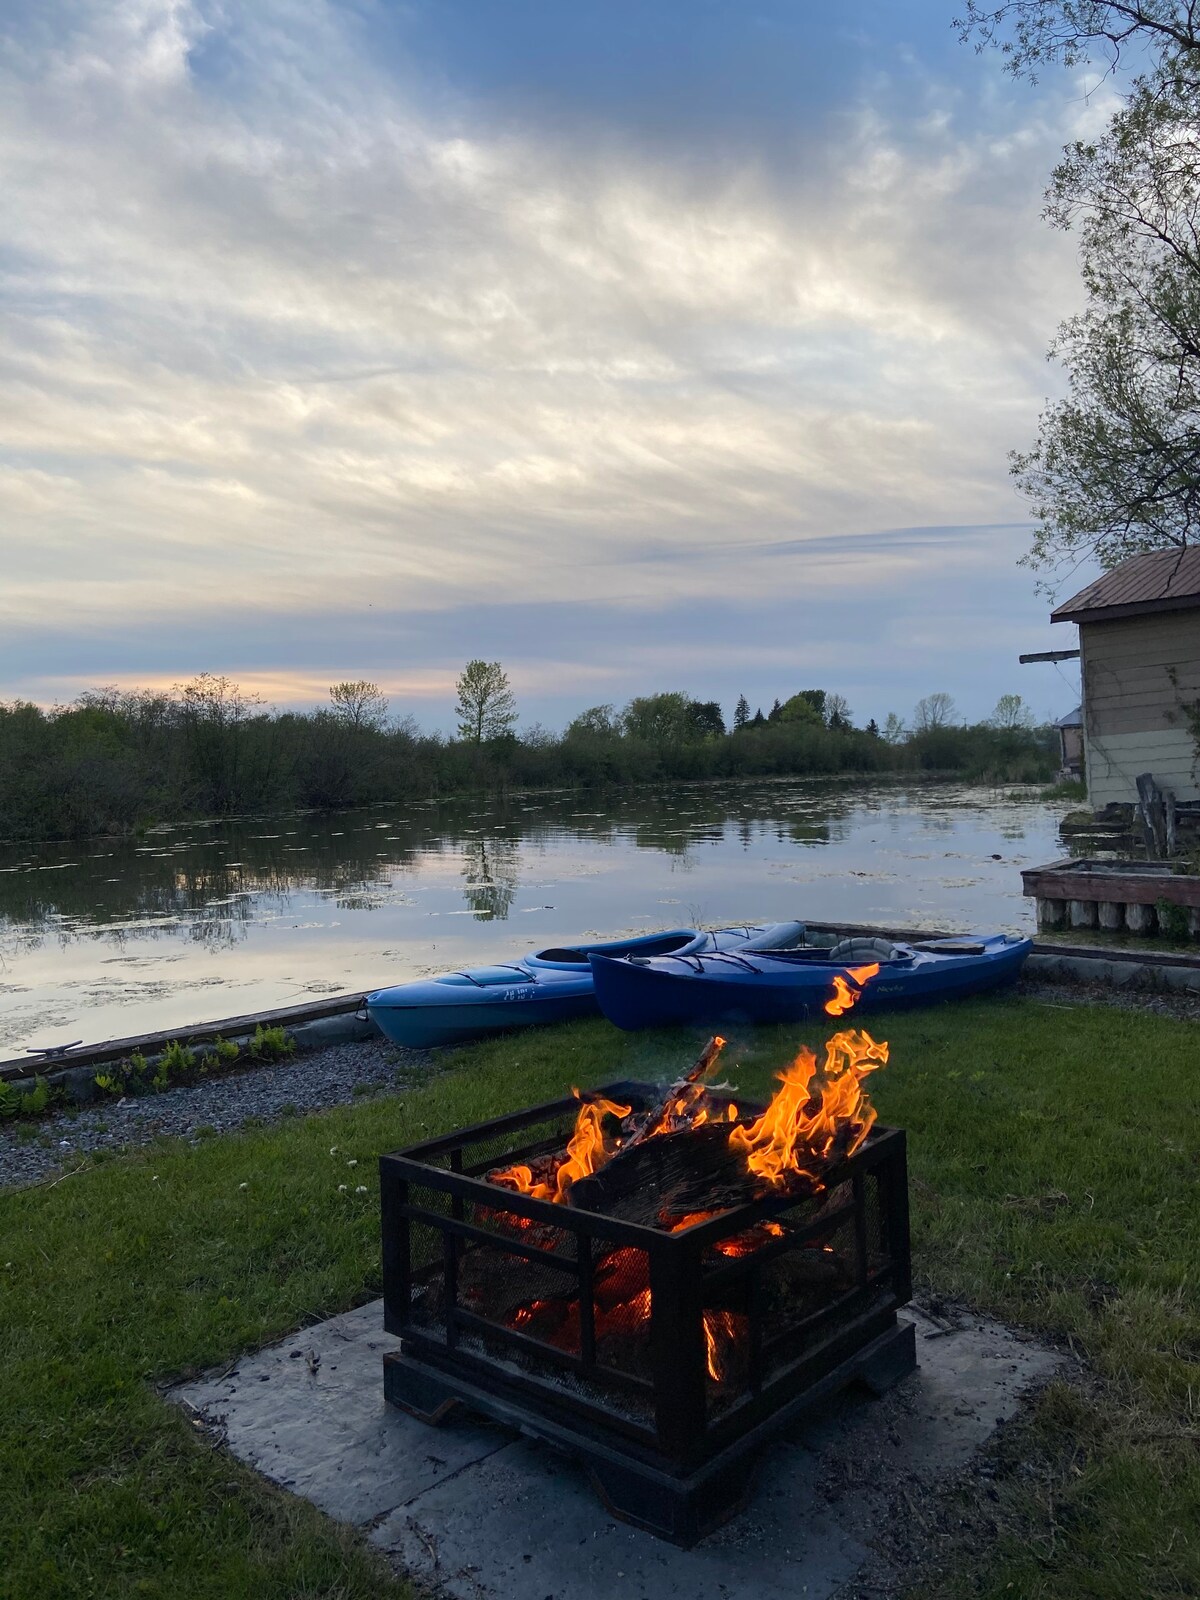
479	1513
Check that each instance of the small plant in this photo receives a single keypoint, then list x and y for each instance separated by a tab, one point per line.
1172	919
176	1061
25	1102
270	1044
223	1053
108	1084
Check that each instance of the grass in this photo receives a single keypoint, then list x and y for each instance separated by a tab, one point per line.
1054	1156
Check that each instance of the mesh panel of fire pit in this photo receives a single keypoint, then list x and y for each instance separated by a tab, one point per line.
661	1358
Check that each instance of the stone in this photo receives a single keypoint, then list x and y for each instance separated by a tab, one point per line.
1140	919
476	1512
1111	914
1051	913
1082	913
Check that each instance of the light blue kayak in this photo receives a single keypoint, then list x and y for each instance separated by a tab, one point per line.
553	985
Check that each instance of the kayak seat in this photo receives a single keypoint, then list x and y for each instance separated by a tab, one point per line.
863	949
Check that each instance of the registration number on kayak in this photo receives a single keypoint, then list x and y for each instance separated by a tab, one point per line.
526	993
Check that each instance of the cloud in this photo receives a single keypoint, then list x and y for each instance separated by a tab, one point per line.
293	332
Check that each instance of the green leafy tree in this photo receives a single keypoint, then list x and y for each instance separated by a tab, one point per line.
359	704
1011	714
741	713
597	722
1115	468
660	719
807	706
894	730
485	708
706	719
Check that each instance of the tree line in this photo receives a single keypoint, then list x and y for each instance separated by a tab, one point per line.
116	760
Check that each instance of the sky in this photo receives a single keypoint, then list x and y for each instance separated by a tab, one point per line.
636	344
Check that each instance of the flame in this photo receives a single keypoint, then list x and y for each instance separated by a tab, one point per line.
587	1150
722	1333
844	996
818	1116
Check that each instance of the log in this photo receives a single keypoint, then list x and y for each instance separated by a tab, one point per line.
691	1170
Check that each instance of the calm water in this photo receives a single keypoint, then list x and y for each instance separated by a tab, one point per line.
214	919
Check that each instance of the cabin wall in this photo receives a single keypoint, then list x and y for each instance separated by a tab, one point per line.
1137	672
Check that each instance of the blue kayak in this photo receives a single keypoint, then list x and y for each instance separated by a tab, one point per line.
764	986
553	985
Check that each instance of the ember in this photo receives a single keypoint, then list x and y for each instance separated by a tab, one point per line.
651	1276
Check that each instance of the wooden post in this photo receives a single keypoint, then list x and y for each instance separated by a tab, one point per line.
1172	838
1151	811
1112	914
1140	919
1194	922
1083	913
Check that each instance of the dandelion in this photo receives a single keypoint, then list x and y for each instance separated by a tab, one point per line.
341	1188
333	1149
362	1189
243	1185
352	1163
154	1179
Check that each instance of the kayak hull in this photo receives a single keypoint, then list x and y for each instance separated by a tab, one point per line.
548	986
766	989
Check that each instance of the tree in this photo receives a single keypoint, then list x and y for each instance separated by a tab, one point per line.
837	708
741	713
597	722
758	720
873	728
661	719
706	719
894	729
485	708
1115	468
935	711
359	704
774	714
1011	714
807	706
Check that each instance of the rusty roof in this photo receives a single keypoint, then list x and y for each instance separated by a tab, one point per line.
1162	580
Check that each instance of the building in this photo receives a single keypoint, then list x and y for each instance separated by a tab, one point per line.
1139	647
1070	742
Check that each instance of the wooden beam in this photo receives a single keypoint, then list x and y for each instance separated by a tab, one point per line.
1049	655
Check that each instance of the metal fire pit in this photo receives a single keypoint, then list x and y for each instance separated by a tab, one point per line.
668	1447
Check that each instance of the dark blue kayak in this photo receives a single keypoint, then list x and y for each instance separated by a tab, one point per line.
553	985
763	986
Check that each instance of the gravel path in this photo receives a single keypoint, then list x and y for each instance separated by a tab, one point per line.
35	1152
31	1152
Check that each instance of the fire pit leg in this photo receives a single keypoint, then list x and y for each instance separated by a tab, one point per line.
419	1392
886	1364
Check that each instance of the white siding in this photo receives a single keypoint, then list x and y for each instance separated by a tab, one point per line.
1137	673
1114	761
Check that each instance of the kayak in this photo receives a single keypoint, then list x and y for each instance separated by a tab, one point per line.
552	985
765	986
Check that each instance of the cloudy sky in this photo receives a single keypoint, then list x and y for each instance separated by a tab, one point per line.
639	344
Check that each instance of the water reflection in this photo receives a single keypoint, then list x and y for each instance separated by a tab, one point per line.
279	907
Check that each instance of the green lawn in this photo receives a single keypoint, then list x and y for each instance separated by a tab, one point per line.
1055	1157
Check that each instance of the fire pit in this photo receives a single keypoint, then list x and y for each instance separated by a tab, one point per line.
655	1282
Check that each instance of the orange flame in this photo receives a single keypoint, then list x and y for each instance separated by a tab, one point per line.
722	1330
844	996
587	1150
818	1116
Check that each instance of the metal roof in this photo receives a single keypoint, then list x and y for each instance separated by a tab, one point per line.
1073	719
1162	580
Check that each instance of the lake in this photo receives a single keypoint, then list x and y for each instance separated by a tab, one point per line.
205	920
